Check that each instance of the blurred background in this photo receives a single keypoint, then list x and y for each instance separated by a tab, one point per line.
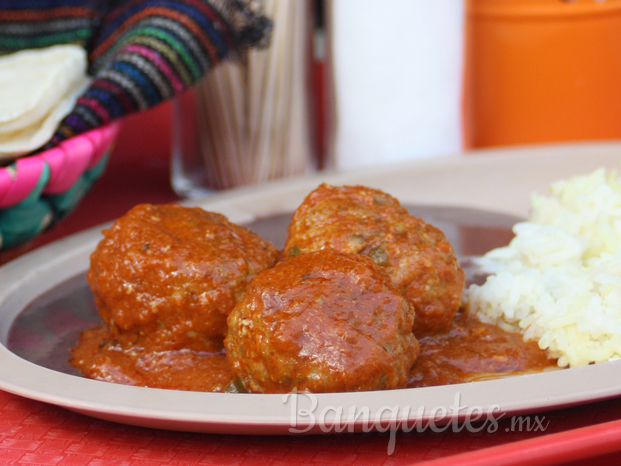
404	80
353	83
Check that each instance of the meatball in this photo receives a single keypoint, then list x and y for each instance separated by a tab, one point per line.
166	277
417	256
326	321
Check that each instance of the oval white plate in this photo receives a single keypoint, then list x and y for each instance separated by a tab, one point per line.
498	181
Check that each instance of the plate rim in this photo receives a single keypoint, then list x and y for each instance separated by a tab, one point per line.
267	414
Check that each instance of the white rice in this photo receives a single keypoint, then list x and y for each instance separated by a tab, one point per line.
559	280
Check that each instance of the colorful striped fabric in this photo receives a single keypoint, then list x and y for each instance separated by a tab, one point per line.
26	24
141	52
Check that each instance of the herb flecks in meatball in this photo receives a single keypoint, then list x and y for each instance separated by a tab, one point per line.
166	277
417	256
326	321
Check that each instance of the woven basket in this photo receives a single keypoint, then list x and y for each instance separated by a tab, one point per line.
38	190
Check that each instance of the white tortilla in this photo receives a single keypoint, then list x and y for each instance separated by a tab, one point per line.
20	142
38	88
32	82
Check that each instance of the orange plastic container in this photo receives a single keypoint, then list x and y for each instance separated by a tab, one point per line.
542	71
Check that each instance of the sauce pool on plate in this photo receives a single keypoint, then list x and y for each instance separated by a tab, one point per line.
49	328
471	350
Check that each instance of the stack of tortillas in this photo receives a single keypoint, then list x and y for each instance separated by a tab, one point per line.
38	88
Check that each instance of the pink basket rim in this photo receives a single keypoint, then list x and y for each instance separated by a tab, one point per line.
66	163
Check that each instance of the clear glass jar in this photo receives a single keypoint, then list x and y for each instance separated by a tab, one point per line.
250	119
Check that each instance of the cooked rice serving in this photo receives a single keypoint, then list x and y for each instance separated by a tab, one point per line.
559	280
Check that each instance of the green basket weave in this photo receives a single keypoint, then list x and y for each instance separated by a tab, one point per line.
38	190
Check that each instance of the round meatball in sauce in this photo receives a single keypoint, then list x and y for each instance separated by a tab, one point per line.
166	277
326	321
417	256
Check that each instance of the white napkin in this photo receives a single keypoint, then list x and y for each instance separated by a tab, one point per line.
397	71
